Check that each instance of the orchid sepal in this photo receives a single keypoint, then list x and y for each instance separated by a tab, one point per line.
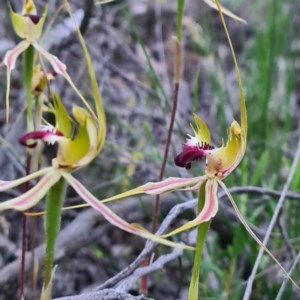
6	185
53	175
61	69
221	161
151	188
225	11
10	61
165	186
100	114
33	195
209	210
115	220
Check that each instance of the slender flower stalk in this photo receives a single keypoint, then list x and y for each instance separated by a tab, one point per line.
28	76
28	61
202	230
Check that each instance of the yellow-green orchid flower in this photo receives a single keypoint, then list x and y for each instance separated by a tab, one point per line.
28	25
72	154
219	163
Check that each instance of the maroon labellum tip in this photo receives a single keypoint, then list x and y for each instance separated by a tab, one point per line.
191	153
34	18
45	135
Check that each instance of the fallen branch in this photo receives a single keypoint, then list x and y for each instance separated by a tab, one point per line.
131	280
107	294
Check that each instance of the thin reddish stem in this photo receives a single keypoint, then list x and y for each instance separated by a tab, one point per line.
155	210
23	251
23	233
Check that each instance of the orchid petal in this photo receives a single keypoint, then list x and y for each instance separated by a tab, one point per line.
112	218
61	68
208	212
92	151
170	184
244	125
254	236
57	65
196	147
10	62
202	134
6	185
161	187
224	10
154	188
62	120
82	149
34	195
222	161
133	192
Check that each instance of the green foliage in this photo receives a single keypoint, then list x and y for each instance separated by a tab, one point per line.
269	79
54	203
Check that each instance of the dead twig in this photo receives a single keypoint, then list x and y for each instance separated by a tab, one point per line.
285	281
107	294
279	206
175	211
130	281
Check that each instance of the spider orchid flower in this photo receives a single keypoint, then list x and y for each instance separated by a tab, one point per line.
219	163
73	153
28	25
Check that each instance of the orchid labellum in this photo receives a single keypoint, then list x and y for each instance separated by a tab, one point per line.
28	25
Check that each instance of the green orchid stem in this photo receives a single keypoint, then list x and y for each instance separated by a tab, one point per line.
201	234
54	202
28	60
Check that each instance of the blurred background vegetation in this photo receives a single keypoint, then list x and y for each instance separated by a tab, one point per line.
133	53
